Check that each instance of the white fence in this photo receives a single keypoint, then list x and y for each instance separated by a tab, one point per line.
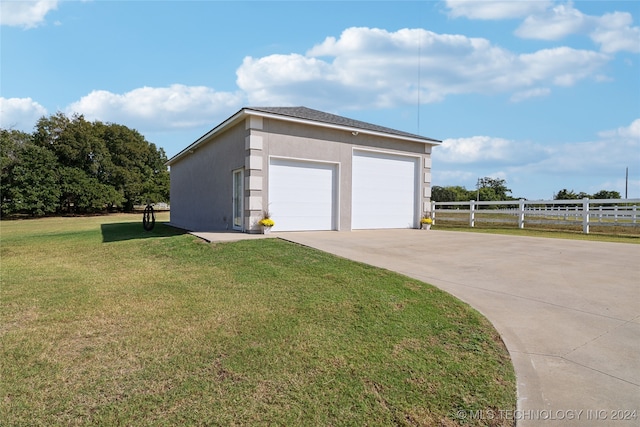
156	206
605	212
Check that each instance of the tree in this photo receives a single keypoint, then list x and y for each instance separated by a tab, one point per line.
75	142
606	194
138	168
442	194
108	154
493	189
11	142
489	189
32	185
94	165
81	193
451	194
565	194
462	194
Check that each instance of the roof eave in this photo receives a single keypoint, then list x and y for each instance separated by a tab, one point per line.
249	112
423	140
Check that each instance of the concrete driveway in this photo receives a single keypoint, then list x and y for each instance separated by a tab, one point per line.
567	310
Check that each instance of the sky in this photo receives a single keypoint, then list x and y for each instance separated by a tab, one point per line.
544	94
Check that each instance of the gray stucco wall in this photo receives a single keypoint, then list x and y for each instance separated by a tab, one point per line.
201	182
299	141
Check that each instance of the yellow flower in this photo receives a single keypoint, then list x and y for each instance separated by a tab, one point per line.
426	221
267	222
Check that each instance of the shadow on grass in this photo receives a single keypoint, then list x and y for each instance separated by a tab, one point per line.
133	230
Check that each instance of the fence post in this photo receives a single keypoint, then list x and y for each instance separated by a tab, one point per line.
521	214
472	213
634	213
585	215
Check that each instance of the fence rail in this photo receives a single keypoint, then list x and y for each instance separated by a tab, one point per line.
585	212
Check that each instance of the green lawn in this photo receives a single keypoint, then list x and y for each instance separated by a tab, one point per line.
103	323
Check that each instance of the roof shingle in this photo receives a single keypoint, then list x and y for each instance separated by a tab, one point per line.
322	117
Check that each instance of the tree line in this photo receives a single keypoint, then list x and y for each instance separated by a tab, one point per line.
490	189
565	194
69	165
495	189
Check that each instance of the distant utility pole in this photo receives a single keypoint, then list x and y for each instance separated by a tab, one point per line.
626	183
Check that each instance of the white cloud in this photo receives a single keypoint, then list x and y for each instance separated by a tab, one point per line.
285	80
588	166
491	10
610	151
487	151
547	20
531	93
613	32
585	166
27	14
555	23
374	67
631	132
470	150
174	107
562	66
20	113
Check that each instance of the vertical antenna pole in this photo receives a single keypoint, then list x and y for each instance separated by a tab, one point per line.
419	74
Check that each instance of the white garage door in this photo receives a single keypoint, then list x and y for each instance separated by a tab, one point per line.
384	191
302	195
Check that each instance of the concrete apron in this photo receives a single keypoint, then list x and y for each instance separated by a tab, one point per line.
567	310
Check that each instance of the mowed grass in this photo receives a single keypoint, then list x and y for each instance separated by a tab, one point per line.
103	323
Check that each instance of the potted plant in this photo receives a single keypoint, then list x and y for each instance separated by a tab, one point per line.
266	222
425	222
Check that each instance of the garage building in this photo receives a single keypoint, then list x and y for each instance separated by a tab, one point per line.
309	169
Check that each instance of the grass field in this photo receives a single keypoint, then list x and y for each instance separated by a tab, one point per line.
103	323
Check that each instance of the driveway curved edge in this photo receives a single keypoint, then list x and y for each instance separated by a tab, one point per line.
567	310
